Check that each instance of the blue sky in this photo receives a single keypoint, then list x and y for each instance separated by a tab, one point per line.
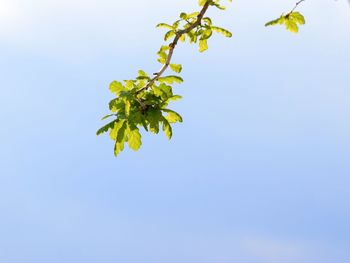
258	172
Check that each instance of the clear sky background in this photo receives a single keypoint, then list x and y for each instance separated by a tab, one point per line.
259	171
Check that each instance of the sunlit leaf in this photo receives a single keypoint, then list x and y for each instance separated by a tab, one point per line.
134	140
291	21
170	79
222	31
172	116
106	127
203	45
176	68
167	128
116	87
163	25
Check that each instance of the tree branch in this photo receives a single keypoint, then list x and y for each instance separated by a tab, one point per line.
172	46
296	5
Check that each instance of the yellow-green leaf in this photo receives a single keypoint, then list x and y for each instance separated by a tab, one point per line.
169	34
127	107
176	68
134	140
114	132
116	87
120	139
202	2
129	84
106	127
163	25
203	45
167	128
118	147
172	116
292	26
182	38
170	79
222	31
297	17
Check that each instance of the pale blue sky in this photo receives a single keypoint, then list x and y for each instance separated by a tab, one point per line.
259	171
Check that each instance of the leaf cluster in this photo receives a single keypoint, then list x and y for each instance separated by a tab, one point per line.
292	21
132	110
197	35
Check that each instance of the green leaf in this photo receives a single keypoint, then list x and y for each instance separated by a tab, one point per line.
175	98
127	107
163	25
176	24
116	105
120	140
108	116
118	147
129	84
183	15
182	38
169	34
142	74
114	132
116	87
136	117
157	91
222	31
170	79
275	21
192	15
203	45
172	98
121	131
134	140
167	128
172	116
206	34
192	36
106	127
166	90
164	48
202	2
218	6
207	20
297	17
292	26
154	117
176	68
162	57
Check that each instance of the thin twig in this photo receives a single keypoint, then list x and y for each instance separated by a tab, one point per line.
296	5
172	47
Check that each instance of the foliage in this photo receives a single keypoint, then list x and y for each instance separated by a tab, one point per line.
143	102
291	21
